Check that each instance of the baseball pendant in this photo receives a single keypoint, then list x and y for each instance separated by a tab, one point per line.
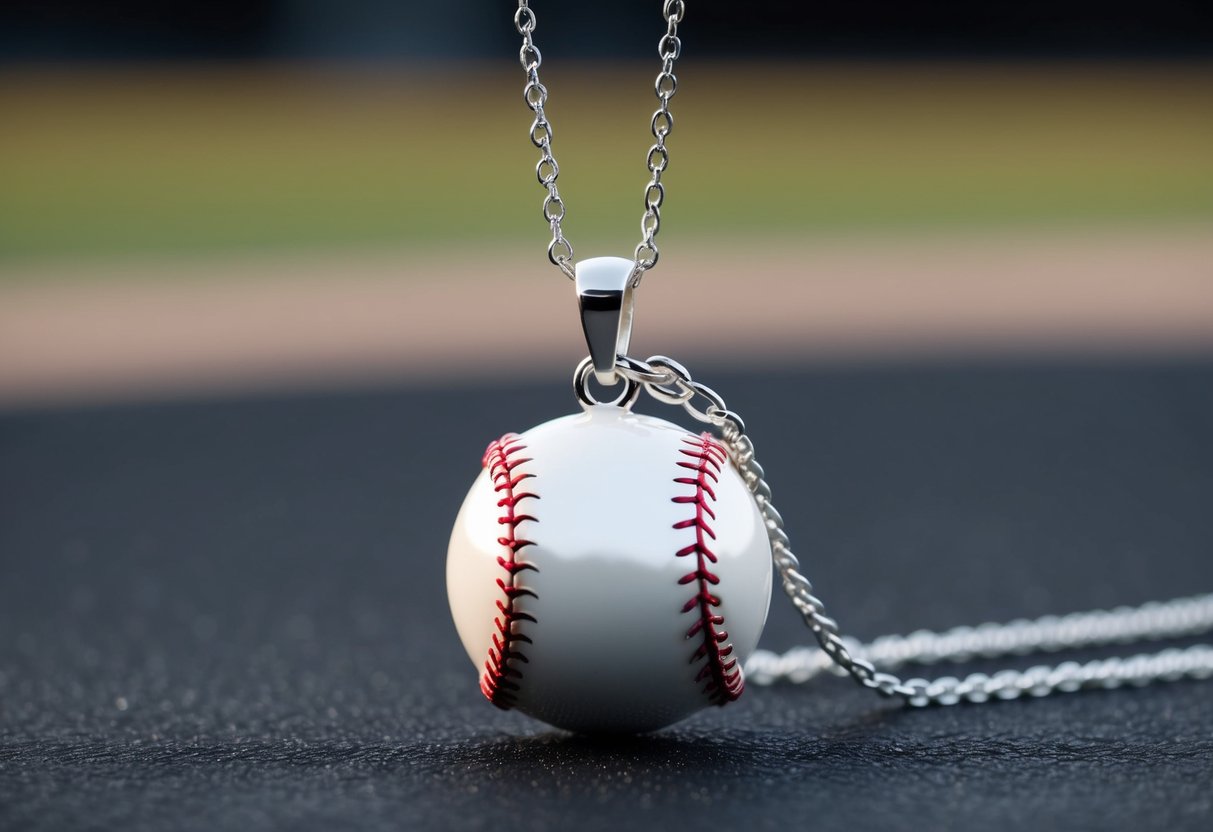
609	572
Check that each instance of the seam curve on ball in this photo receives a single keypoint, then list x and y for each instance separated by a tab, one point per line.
721	673
501	679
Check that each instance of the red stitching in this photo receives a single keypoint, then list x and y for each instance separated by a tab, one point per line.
721	674
500	680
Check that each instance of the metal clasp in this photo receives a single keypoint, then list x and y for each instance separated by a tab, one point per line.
604	296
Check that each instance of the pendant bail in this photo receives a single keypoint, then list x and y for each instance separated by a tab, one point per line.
604	296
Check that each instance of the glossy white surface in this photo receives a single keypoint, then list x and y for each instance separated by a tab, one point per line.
609	647
604	295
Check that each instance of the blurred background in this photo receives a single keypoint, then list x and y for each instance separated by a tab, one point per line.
230	195
272	273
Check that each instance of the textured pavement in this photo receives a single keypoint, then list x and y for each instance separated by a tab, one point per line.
230	614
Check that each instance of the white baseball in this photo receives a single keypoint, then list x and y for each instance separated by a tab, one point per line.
609	572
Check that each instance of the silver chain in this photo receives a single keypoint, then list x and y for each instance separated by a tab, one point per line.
535	94
669	382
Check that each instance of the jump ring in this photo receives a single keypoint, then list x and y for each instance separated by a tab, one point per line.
581	387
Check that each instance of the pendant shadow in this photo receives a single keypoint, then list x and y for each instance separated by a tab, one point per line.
713	750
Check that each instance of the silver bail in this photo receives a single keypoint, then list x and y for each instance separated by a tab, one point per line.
604	295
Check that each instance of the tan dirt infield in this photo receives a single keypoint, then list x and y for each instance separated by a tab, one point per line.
83	332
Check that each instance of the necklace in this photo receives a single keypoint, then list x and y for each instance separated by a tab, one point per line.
611	572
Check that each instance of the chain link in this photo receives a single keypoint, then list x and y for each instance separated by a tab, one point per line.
547	171
869	664
662	123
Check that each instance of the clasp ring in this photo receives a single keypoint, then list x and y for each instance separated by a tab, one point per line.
581	387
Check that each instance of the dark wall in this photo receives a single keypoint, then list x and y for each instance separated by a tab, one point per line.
406	29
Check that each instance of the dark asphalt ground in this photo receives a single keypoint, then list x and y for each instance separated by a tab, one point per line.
231	614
